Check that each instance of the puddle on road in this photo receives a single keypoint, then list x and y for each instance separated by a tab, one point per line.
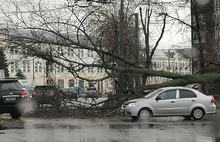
100	130
52	126
6	123
134	125
112	131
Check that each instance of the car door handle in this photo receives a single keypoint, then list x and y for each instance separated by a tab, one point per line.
193	100
172	101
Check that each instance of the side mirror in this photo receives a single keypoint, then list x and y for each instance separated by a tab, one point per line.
158	98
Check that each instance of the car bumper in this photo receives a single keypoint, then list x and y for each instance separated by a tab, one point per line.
211	109
128	111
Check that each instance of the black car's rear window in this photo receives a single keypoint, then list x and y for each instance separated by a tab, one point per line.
10	85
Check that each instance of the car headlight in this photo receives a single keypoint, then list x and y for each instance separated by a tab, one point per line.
132	104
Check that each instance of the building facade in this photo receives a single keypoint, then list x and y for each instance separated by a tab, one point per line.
171	60
35	70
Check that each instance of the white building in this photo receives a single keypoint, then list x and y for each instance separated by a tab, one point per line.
35	70
172	60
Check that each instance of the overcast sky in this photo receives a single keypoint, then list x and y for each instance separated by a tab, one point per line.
173	36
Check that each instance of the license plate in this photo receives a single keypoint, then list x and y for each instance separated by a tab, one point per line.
10	99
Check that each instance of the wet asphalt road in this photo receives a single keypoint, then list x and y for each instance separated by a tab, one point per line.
106	130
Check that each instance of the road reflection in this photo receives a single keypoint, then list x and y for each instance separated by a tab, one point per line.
100	130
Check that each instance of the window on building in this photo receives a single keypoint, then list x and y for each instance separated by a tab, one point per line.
68	52
88	53
14	50
16	65
11	50
100	86
28	67
71	83
40	67
90	69
60	83
81	84
91	54
62	69
58	69
72	53
12	67
78	52
99	70
24	65
51	68
36	67
82	53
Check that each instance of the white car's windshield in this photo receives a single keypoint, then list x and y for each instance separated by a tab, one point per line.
150	95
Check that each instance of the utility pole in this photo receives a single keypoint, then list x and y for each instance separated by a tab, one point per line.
33	77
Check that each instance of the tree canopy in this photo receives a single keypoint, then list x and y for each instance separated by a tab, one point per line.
109	30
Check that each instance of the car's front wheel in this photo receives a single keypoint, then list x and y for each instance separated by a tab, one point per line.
144	114
198	113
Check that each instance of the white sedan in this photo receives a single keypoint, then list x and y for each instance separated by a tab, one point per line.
170	101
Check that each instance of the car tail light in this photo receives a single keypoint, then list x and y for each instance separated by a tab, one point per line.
23	93
213	100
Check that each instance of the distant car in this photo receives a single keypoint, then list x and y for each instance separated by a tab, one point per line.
170	101
70	93
29	91
47	95
11	94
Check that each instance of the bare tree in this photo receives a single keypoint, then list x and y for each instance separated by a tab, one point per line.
70	28
146	23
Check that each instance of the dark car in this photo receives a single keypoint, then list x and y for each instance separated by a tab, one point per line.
70	93
11	95
47	95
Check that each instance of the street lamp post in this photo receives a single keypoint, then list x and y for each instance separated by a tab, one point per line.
33	77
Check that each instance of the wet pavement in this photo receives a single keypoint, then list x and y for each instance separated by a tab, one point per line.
106	130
